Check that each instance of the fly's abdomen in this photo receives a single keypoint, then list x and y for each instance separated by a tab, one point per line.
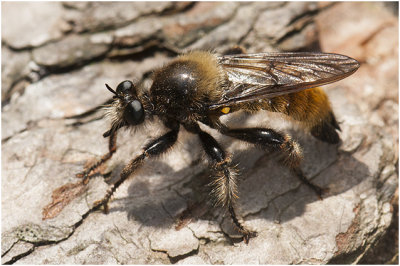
310	107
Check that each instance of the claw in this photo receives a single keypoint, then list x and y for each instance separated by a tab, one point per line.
99	203
248	235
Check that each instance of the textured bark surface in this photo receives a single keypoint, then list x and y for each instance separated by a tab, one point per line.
58	56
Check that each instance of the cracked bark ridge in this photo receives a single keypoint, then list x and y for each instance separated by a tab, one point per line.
27	18
53	87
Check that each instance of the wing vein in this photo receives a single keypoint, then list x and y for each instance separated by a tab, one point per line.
257	76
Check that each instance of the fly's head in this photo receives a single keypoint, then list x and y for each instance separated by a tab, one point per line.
126	108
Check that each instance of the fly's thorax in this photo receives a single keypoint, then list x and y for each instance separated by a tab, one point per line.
187	85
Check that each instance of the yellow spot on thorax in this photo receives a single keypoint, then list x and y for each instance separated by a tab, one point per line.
226	110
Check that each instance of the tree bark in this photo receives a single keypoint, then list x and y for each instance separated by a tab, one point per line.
58	56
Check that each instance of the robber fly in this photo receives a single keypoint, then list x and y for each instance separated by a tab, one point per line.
200	87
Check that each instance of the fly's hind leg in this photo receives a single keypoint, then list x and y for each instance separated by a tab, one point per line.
112	148
224	184
271	140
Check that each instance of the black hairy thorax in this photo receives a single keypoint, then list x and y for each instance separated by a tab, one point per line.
176	91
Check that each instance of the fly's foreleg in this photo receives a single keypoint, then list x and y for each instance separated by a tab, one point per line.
112	148
154	148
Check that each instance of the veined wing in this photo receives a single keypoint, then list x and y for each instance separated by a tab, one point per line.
266	75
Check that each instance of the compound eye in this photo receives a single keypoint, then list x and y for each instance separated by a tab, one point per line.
125	87
134	113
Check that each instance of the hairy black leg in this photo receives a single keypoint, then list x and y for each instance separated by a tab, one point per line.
154	148
271	140
112	148
225	189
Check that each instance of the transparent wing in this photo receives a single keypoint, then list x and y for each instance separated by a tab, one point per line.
266	75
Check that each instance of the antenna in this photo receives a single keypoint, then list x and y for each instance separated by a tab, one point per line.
109	88
113	91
